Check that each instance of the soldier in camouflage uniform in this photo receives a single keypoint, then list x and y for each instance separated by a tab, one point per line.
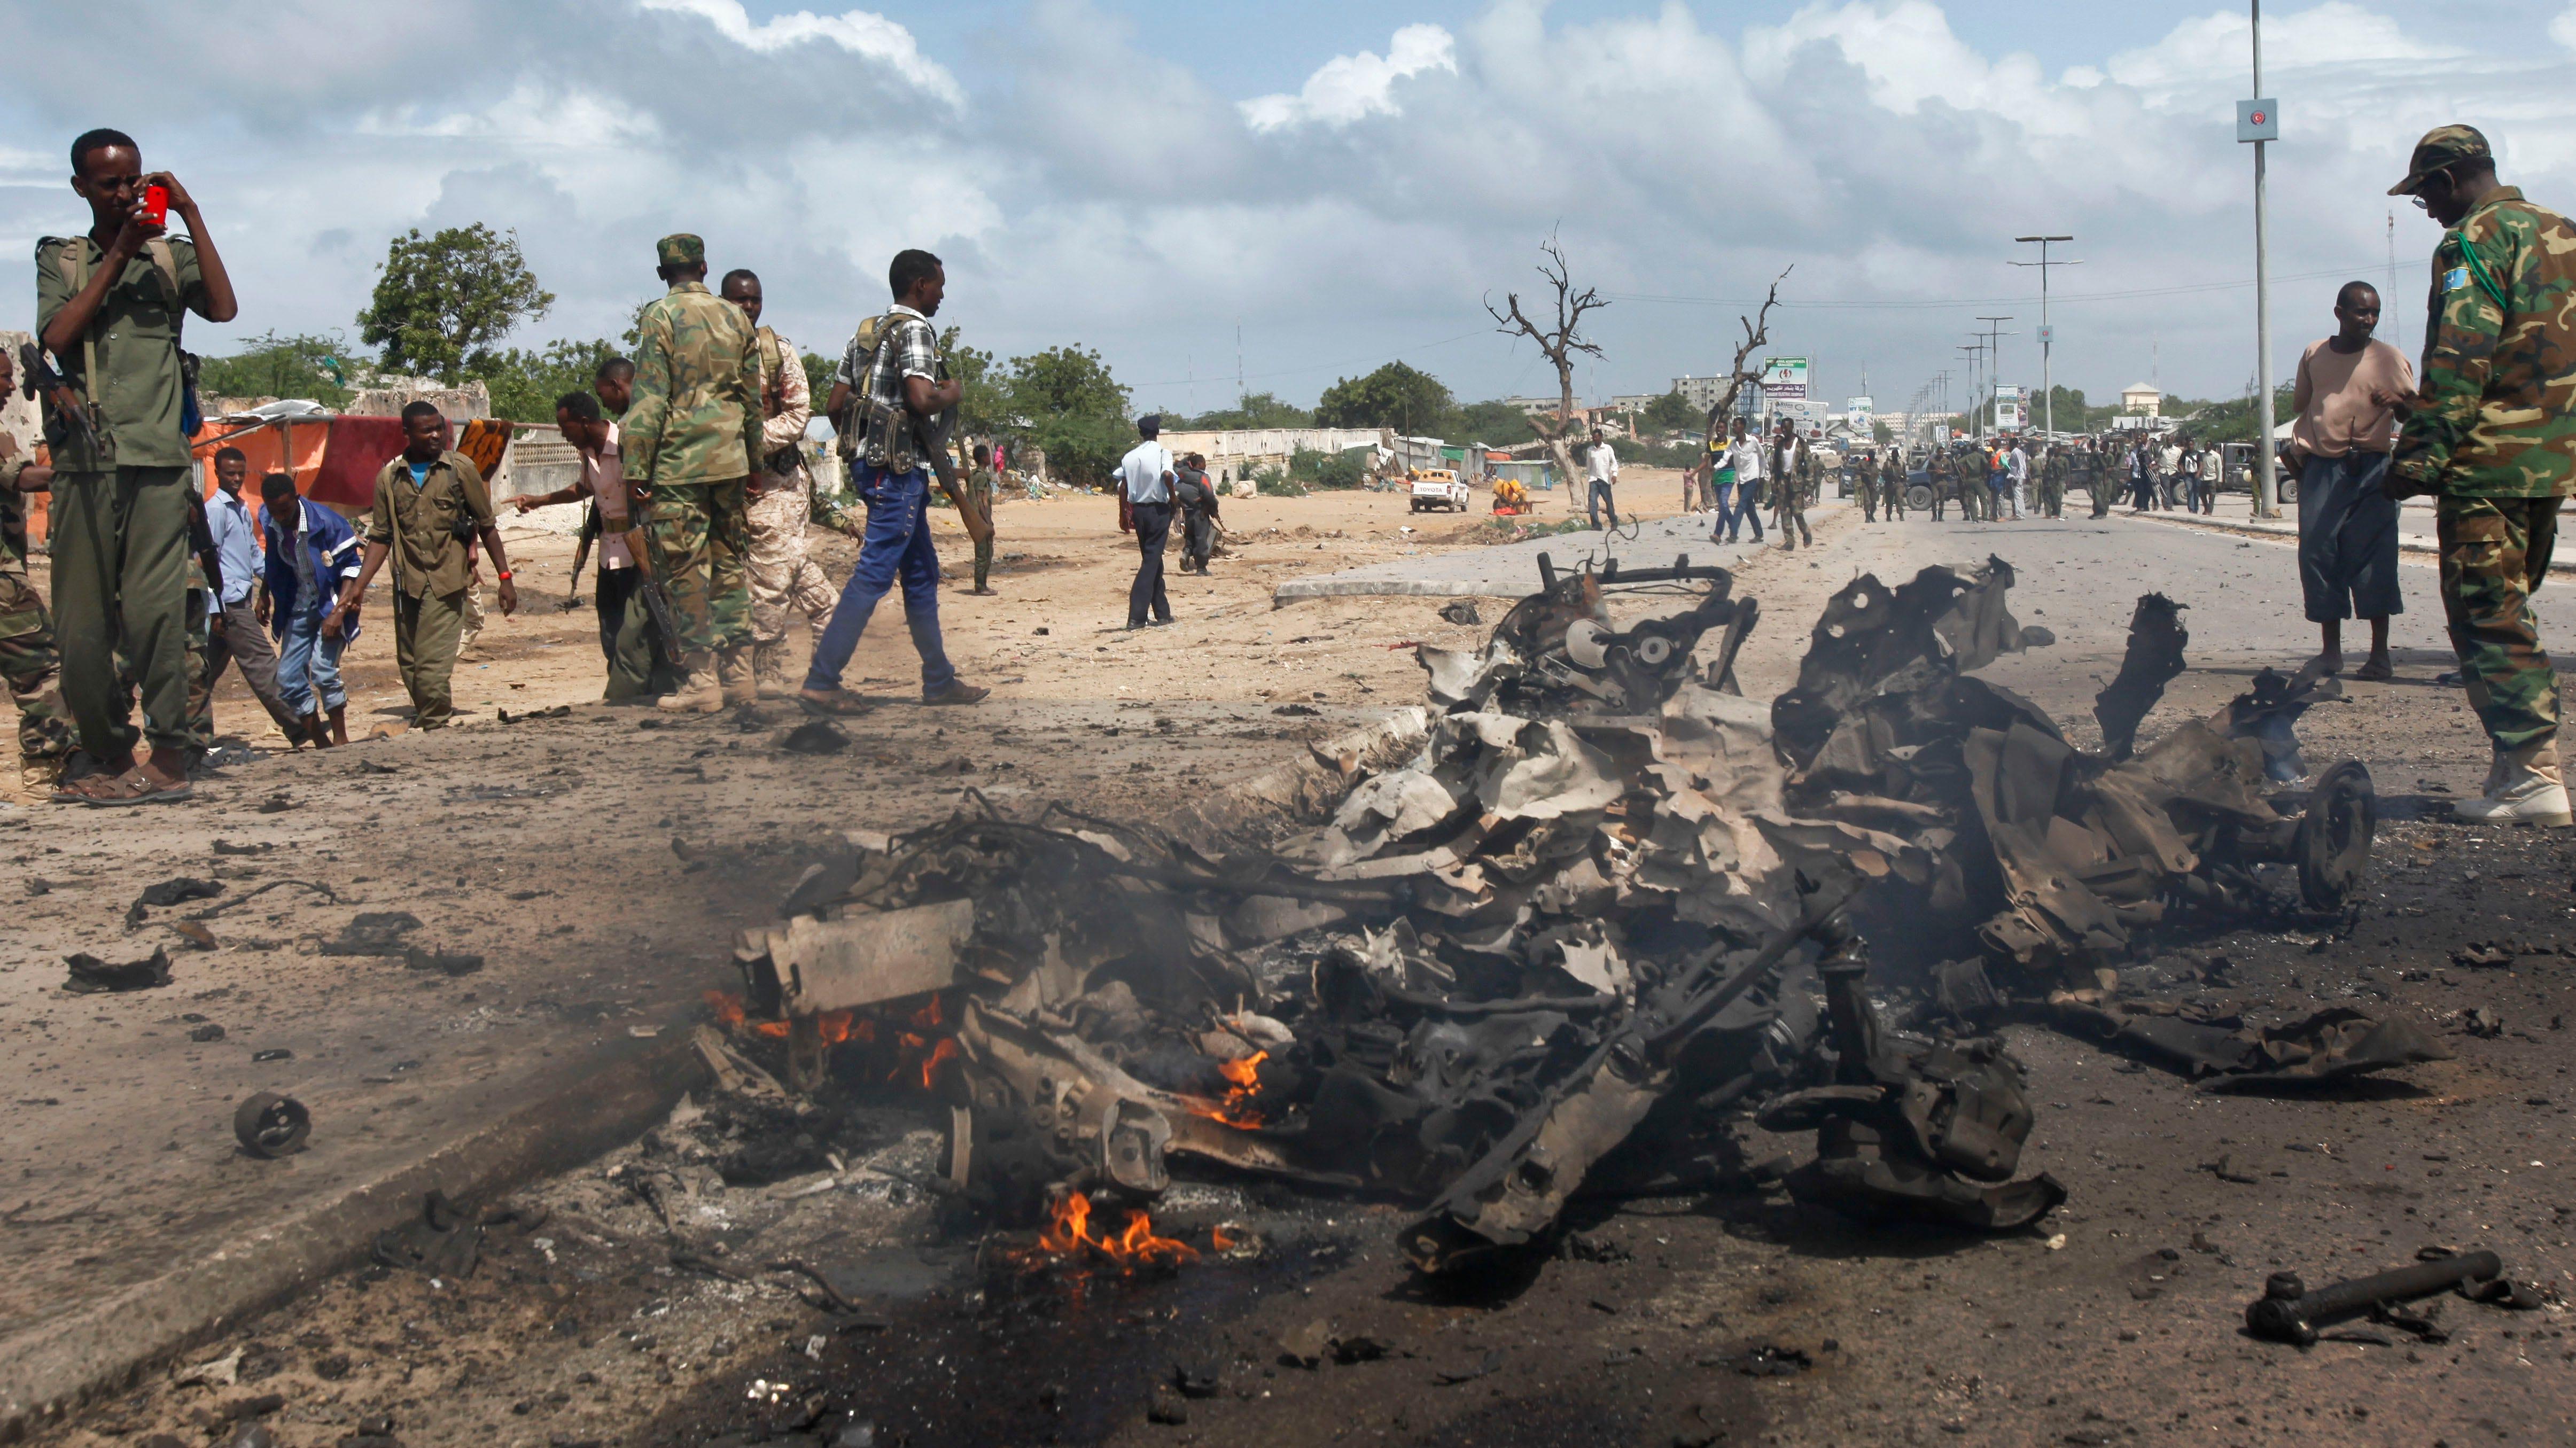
1864	482
27	658
2490	434
783	577
2052	482
1892	480
692	438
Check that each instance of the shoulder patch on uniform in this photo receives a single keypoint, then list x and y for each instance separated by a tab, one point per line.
2455	279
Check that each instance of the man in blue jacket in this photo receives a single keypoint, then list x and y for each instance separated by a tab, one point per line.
312	554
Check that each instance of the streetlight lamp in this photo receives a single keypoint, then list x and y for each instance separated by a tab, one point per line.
2047	334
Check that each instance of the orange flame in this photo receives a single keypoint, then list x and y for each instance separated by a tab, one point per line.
728	1008
1244	1078
1069	1234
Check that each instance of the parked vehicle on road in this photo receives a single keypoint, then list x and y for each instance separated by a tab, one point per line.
1439	488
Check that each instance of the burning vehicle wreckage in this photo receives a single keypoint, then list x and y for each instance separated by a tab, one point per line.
1566	928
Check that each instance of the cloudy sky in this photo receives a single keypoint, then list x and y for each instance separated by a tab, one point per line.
1337	184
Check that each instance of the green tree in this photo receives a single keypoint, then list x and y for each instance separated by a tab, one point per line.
525	384
982	405
1064	382
1065	401
276	366
1395	395
1253	409
1673	413
2229	421
1495	424
444	301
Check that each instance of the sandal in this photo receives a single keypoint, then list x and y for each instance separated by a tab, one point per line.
840	702
2375	671
131	788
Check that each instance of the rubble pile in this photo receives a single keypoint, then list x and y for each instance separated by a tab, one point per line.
1598	910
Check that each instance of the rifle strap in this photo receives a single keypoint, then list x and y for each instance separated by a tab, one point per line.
75	260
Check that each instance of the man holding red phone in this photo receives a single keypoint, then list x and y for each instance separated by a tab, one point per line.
110	306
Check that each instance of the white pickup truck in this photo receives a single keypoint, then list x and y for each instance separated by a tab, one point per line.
1439	488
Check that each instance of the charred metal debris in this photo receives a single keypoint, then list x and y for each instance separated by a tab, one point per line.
1568	928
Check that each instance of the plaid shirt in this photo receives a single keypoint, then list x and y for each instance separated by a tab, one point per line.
913	351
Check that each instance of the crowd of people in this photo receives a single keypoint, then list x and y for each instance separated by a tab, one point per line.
698	495
697	492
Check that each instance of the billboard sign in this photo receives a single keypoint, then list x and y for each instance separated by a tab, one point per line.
1784	379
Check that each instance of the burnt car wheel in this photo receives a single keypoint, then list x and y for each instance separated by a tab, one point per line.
2335	835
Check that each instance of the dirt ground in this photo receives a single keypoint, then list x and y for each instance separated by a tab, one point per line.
1731	1318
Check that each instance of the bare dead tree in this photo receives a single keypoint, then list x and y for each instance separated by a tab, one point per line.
1757	334
1559	344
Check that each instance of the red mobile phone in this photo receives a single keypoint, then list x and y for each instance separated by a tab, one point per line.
156	205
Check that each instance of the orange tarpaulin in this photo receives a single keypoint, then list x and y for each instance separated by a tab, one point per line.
334	459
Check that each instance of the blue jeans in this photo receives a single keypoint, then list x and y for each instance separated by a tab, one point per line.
1597	502
897	545
308	666
1733	513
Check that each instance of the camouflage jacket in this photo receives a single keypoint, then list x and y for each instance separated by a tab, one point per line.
13	506
2495	415
696	416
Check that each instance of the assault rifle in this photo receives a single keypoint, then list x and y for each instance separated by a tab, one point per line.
68	412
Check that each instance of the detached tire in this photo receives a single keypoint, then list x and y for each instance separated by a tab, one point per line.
2335	835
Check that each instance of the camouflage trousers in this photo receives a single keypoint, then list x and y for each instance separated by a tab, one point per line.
699	539
1789	515
29	664
1865	493
2495	552
784	580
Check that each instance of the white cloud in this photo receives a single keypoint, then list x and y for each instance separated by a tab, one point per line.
859	32
1368	211
1350	87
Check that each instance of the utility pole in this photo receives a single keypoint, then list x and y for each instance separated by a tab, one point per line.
2258	121
1976	421
1994	357
2047	333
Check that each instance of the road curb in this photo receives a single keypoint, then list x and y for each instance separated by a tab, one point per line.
46	1372
2291	535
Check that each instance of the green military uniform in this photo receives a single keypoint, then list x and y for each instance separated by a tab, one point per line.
691	439
419	520
120	507
27	658
1795	488
1864	478
2052	484
2493	437
1891	482
982	488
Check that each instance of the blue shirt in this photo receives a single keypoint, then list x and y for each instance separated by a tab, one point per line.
237	543
331	557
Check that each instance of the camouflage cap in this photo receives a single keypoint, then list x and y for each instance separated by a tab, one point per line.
2442	146
680	249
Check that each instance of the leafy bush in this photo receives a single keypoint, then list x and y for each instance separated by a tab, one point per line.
1328	470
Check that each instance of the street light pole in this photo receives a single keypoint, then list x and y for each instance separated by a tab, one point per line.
1976	421
1994	357
2047	334
2258	122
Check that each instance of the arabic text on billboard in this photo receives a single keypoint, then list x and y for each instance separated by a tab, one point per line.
1784	379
